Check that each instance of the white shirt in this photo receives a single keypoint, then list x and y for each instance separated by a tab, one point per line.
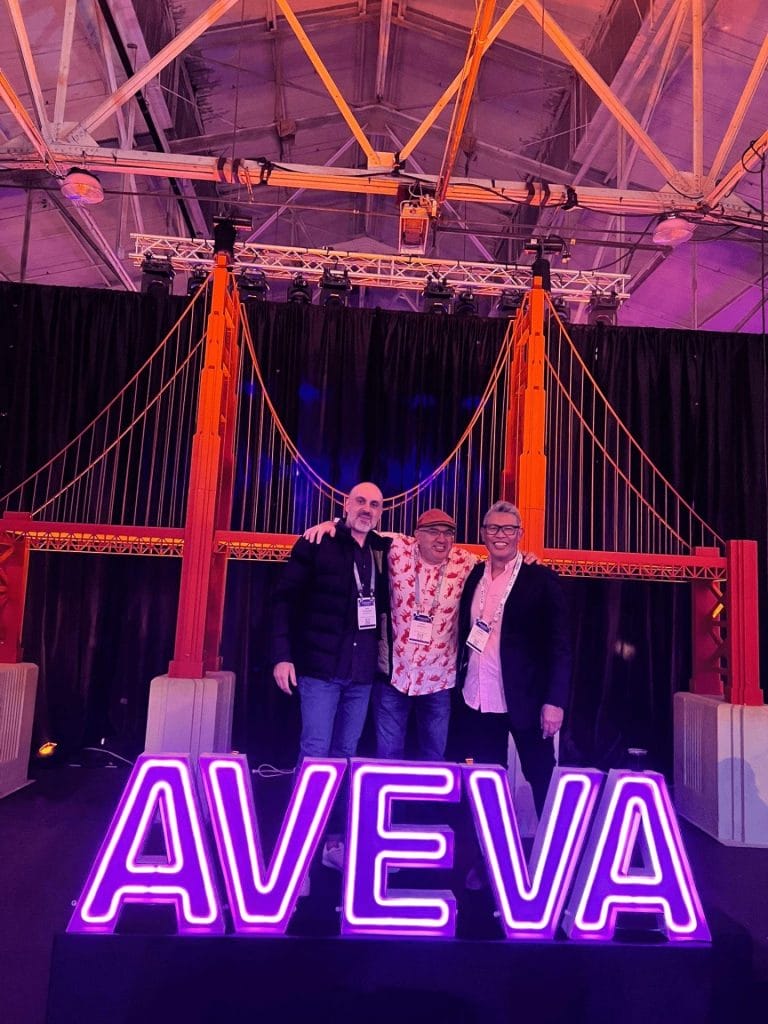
484	685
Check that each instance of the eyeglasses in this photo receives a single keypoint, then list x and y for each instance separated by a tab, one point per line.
437	531
506	531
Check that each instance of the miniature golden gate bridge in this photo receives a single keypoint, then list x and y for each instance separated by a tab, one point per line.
157	473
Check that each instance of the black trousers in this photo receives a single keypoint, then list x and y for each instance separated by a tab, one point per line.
483	736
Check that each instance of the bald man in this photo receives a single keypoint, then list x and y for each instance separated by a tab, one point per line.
328	610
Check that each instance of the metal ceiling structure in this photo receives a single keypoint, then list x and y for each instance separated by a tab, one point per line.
583	124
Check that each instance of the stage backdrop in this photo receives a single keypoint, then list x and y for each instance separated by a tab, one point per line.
367	394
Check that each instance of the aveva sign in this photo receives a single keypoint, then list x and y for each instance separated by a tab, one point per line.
604	846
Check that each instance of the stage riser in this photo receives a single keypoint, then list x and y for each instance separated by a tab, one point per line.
156	979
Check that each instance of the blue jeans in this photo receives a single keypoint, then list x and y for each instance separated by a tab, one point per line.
332	716
391	710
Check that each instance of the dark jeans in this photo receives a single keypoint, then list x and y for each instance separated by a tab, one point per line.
332	716
391	711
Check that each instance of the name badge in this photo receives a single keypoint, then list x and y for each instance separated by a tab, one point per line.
478	636
421	629
366	613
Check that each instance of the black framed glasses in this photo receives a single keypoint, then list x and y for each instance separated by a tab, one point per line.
493	530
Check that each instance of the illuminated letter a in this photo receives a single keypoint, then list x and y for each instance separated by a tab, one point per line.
635	861
124	873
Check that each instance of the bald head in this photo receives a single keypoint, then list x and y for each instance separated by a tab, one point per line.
362	510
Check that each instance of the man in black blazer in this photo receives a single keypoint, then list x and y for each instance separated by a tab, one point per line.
514	655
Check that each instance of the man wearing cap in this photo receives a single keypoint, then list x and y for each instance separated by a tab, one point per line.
418	672
427	574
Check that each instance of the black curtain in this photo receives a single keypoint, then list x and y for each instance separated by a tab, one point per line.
367	394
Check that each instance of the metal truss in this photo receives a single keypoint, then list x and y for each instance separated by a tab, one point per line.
377	270
628	565
97	539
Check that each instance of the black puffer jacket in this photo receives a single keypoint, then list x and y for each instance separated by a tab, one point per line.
311	604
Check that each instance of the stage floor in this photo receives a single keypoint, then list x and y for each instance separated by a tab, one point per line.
50	831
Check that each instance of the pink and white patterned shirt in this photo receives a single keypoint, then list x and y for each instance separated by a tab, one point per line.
419	669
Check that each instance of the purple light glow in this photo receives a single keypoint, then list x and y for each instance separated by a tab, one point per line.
262	900
122	874
635	813
374	845
530	905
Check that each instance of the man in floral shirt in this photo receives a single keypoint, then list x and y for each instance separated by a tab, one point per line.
427	575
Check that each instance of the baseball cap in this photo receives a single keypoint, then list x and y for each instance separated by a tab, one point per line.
435	517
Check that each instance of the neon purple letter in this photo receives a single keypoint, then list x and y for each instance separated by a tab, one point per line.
262	900
635	812
530	907
123	874
374	845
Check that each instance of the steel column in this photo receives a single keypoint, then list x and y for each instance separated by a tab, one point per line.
209	501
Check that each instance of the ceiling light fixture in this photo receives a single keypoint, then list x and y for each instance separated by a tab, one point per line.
82	188
465	304
672	230
437	295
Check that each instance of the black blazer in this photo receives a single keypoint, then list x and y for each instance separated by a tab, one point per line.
534	644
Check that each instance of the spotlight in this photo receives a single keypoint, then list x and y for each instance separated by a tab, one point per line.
252	286
225	232
437	295
465	304
335	285
603	309
47	749
510	300
196	280
157	276
673	230
415	217
300	291
82	188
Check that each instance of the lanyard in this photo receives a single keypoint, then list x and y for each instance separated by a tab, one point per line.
438	592
505	595
358	582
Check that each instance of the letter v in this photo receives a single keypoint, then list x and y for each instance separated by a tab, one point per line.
261	898
530	907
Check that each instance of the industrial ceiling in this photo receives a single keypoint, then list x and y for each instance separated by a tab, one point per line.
623	136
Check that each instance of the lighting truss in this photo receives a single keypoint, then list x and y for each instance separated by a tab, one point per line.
376	270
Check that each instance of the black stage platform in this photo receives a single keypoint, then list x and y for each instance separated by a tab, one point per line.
130	979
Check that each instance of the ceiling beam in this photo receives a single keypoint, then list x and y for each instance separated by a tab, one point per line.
453	88
89	235
385	27
65	56
28	66
325	77
11	99
752	158
469	74
669	28
601	88
152	68
737	119
697	72
258	173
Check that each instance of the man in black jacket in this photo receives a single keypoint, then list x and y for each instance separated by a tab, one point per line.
328	610
514	655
